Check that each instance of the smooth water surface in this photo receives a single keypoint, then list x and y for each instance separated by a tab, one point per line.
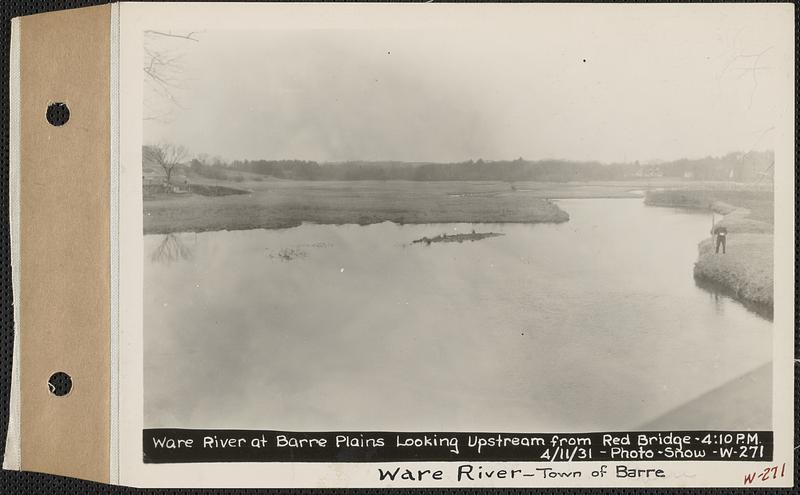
593	324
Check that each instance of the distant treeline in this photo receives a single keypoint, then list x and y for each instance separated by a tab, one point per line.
741	167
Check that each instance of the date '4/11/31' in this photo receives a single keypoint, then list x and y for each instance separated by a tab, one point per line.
750	452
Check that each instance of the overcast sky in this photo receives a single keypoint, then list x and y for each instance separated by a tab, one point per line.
625	90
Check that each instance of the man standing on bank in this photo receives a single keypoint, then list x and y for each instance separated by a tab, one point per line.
721	233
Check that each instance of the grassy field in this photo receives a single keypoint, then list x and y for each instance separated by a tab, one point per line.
275	203
281	204
746	270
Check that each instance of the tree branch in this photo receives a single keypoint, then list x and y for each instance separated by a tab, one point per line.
171	35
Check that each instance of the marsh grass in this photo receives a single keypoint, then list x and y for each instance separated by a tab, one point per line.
283	205
756	203
745	271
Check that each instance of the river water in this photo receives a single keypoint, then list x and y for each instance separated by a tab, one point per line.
593	324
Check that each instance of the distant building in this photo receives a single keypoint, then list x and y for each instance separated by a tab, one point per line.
154	180
153	176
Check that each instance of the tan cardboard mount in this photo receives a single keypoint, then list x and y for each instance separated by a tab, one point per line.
64	242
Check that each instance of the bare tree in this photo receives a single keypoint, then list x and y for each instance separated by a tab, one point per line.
163	71
166	155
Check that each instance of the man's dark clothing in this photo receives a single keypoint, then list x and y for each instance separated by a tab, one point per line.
722	234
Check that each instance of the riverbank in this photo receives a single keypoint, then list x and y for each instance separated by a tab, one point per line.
746	210
745	271
286	204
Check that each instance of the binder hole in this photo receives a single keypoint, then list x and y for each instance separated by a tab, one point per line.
57	114
59	384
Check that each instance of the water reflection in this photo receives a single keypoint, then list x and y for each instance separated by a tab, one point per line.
722	296
170	250
593	324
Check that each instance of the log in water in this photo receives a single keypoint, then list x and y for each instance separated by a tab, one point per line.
473	236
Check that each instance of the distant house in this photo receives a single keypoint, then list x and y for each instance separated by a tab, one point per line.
154	180
153	176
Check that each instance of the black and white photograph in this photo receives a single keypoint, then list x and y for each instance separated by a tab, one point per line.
525	227
332	245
